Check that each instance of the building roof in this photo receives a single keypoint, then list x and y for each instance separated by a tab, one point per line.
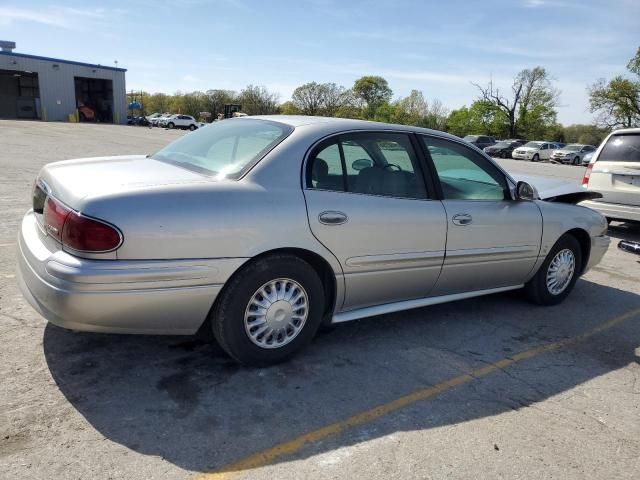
60	60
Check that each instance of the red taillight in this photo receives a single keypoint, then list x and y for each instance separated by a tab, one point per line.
89	235
54	216
587	174
79	232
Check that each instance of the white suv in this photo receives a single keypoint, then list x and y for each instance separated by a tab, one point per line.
614	171
534	151
180	121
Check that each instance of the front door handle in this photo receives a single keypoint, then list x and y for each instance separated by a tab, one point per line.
332	218
462	219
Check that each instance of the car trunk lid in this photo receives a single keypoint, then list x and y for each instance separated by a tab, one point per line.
72	181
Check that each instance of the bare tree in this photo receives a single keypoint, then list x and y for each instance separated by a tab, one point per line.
531	89
309	98
508	105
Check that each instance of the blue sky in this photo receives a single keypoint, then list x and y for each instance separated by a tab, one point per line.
438	47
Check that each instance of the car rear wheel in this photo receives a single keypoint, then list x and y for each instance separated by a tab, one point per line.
171	125
269	310
558	274
535	158
503	155
192	127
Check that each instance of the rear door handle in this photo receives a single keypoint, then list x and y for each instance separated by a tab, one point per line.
462	219
332	218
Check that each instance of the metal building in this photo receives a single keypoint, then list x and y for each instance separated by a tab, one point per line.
51	89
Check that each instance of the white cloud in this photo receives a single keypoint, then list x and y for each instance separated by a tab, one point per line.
62	17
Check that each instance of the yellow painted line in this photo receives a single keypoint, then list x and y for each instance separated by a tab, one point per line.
268	456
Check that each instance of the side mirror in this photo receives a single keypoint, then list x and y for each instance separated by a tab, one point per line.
361	164
524	191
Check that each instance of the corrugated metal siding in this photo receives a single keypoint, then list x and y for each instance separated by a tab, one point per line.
57	87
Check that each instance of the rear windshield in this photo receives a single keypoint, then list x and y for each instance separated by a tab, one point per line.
225	149
621	148
470	138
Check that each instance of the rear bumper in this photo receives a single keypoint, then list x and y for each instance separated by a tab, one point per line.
118	296
614	210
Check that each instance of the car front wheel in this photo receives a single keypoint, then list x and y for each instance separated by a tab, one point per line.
171	125
192	127
535	158
558	274
269	310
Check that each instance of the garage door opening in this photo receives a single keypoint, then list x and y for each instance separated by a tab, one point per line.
94	99
19	94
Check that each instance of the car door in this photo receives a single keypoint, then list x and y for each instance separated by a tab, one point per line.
368	203
545	151
492	240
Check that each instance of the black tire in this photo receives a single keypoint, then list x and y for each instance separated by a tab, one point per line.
228	315
536	288
535	158
192	127
576	161
171	125
503	154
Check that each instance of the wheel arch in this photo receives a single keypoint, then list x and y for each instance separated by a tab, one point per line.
315	260
583	238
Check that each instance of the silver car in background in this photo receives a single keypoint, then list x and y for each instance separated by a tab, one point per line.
264	228
572	153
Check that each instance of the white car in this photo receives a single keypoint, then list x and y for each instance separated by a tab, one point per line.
180	121
156	121
152	116
614	171
534	151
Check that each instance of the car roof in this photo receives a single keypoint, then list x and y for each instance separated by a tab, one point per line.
625	131
339	124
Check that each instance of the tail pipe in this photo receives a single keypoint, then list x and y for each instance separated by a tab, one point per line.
629	246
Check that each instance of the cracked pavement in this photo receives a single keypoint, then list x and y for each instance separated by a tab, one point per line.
78	405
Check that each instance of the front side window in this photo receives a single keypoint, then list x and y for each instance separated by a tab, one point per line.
463	174
225	149
370	163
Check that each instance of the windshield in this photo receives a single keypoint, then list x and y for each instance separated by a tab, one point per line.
573	148
533	144
470	138
225	149
621	148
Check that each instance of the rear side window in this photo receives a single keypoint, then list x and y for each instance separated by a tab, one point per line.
621	148
376	163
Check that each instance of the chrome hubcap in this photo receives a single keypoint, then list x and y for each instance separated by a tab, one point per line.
560	271
276	313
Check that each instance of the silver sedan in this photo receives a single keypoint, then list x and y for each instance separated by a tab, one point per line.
263	229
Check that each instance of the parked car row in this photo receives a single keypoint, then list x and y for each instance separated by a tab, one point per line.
173	120
534	151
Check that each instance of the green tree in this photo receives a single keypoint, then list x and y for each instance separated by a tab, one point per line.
483	117
257	100
587	134
289	108
373	91
214	101
617	102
